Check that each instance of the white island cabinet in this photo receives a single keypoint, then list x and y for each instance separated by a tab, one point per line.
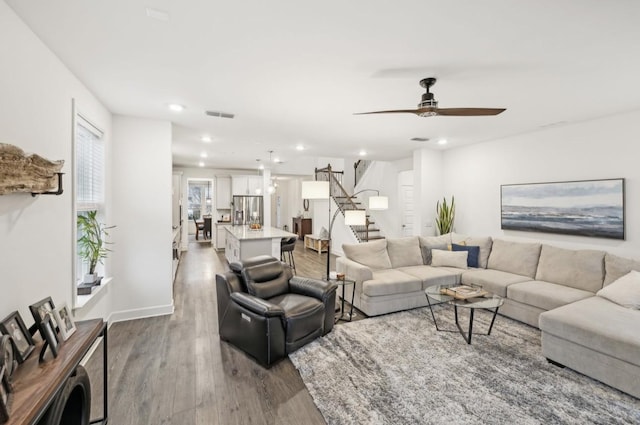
243	243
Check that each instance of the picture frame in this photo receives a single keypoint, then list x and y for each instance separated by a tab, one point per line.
64	320
592	208
49	336
41	309
23	344
5	395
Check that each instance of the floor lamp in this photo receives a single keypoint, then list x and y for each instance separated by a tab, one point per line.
321	190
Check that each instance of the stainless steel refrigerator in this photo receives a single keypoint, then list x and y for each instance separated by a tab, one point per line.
247	210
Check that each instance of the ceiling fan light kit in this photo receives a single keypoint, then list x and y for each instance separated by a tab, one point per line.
428	106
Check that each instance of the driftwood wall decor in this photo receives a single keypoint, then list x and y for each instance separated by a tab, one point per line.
28	173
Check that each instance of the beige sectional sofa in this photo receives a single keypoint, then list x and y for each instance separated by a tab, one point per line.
558	290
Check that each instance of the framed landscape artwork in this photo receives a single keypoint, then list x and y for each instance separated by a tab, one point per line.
584	208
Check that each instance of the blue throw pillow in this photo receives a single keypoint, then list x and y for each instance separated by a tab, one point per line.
472	256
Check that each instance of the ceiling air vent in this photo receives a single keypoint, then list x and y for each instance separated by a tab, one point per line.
219	114
420	139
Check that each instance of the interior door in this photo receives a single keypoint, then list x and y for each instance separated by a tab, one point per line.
406	200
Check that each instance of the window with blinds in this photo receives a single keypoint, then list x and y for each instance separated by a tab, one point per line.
90	172
89	166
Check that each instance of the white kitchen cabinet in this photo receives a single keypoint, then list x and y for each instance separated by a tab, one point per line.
246	185
239	185
223	192
254	184
220	237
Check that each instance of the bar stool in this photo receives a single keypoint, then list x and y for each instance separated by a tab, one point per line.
287	245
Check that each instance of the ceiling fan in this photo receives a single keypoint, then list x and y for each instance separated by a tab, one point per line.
428	107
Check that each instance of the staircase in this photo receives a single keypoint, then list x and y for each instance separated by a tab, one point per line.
346	202
363	233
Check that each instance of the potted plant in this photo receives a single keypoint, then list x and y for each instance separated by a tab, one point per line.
445	215
92	243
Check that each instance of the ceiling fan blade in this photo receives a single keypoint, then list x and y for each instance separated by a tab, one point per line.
393	111
469	112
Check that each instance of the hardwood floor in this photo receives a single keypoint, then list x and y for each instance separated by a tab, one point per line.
175	370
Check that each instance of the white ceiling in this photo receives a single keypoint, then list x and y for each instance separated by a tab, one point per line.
294	72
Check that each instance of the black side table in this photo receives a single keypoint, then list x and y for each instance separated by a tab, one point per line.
344	282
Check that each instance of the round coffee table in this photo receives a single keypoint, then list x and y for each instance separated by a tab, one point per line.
487	301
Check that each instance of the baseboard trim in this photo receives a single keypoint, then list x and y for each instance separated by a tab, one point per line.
140	313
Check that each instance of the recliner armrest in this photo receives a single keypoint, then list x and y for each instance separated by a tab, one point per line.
257	305
315	288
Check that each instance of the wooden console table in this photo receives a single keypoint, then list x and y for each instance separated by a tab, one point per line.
35	385
301	226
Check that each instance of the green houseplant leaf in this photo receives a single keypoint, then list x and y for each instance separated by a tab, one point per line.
445	215
92	244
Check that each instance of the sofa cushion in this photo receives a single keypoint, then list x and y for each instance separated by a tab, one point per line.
404	251
616	267
433	275
545	295
580	269
494	281
599	324
485	244
372	254
514	257
390	281
625	291
472	253
442	258
427	243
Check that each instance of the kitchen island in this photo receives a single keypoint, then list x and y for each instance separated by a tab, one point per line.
243	243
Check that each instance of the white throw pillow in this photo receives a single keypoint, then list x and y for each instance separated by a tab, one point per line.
442	258
624	291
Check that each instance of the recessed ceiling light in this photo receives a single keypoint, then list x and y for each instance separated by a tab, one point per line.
277	160
442	141
362	153
261	167
299	148
206	139
201	163
203	155
176	107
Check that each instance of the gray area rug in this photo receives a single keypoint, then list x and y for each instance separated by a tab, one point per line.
397	369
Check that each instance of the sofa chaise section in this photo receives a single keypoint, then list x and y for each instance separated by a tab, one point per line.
595	337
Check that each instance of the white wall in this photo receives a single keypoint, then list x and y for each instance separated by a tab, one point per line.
427	189
382	176
142	182
599	149
35	115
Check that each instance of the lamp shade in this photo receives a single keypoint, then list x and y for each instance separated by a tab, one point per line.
355	218
315	190
378	203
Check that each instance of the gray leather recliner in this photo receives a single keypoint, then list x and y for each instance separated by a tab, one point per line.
267	312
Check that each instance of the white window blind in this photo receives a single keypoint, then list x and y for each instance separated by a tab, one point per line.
89	166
